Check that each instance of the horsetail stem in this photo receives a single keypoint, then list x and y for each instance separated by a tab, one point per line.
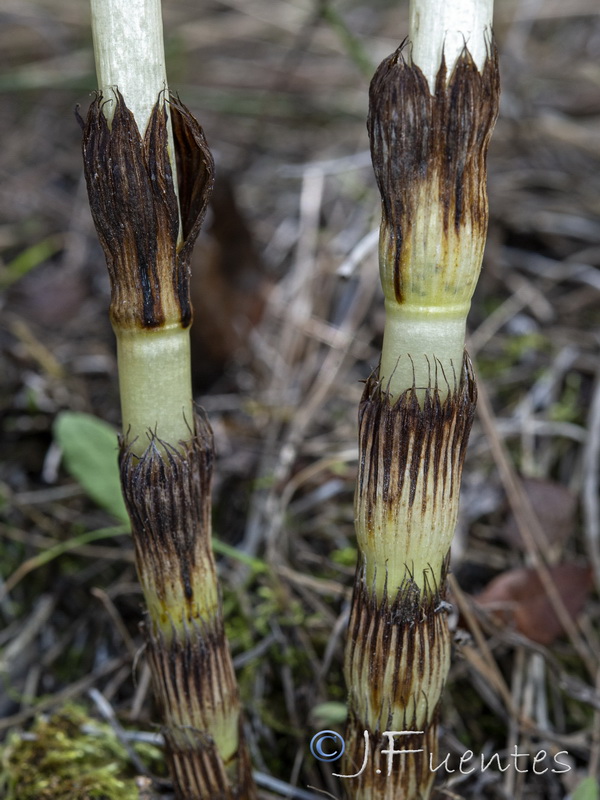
148	215
432	110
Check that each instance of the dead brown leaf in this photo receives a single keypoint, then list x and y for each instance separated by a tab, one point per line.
554	506
517	599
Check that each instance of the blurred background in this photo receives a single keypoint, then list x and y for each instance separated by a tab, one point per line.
288	322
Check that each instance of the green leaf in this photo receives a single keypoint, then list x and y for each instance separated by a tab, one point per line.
50	553
29	259
224	549
329	713
587	790
90	450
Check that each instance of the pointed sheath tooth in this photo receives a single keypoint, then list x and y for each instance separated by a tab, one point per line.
195	686
135	210
166	453
428	148
129	53
444	27
398	655
196	173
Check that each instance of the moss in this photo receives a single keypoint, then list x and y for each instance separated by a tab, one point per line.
519	347
345	556
56	760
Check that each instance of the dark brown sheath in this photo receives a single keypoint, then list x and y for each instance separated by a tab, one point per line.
429	153
135	210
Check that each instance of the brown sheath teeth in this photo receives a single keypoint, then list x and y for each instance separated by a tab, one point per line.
135	209
433	147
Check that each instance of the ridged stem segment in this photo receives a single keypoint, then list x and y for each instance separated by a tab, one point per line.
411	456
429	134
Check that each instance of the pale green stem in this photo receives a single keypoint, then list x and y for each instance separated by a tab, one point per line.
129	53
130	56
423	347
446	26
156	385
